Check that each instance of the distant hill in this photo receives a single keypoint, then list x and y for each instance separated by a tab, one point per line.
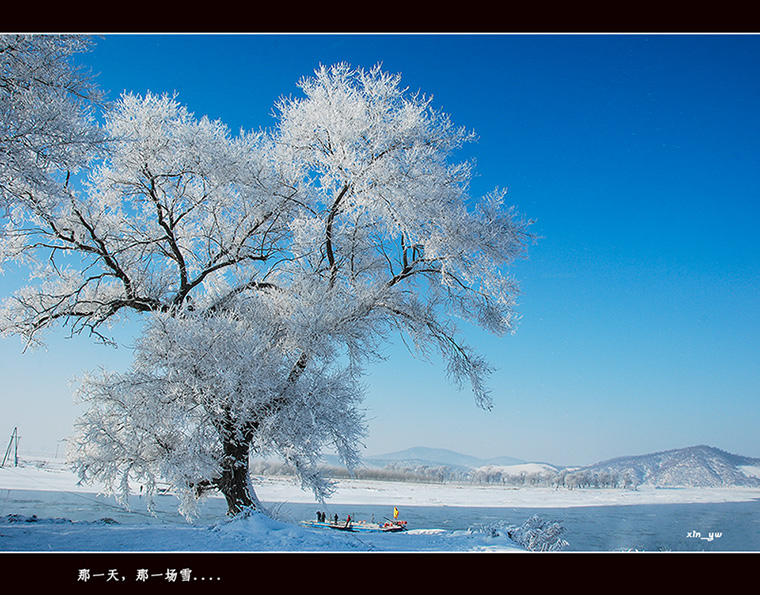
695	466
421	455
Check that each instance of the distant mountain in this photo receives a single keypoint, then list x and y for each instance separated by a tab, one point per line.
695	466
421	455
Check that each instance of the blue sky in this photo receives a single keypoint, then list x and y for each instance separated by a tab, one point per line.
638	157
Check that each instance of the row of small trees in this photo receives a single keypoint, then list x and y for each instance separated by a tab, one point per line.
420	473
390	472
564	478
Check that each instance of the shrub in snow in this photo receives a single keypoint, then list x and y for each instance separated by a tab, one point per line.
535	534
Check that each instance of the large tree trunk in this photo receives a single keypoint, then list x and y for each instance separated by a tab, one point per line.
235	482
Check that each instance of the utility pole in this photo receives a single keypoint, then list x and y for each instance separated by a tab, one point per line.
13	442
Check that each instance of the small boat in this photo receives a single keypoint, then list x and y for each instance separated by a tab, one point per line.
387	526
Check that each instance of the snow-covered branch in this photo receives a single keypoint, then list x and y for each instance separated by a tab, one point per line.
47	104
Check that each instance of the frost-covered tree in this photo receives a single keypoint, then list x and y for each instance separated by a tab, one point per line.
272	267
206	390
47	128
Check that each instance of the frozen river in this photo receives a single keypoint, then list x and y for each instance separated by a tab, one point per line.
734	526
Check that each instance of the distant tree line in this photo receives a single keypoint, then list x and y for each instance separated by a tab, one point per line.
391	472
442	474
586	478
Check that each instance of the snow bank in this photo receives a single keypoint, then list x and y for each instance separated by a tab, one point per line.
55	476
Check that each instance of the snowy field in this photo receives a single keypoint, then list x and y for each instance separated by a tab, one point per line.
42	509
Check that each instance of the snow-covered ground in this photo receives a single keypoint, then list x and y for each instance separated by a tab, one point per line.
29	532
38	525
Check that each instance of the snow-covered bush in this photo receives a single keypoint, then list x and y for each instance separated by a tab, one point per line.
539	535
535	534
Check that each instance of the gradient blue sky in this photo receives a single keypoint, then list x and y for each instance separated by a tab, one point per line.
638	157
